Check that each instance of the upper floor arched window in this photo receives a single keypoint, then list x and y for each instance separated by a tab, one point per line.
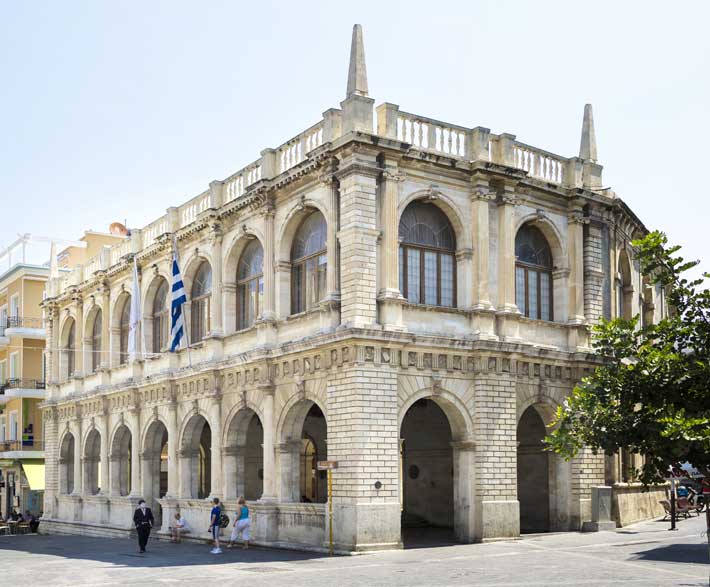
70	350
96	341
124	327
624	288
250	284
200	302
160	316
533	273
309	263
427	256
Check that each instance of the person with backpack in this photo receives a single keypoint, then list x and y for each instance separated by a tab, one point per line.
242	523
217	522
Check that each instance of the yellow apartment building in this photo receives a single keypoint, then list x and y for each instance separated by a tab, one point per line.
22	388
22	365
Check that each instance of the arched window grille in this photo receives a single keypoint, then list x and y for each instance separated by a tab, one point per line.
309	264
200	302
96	341
427	256
533	274
160	316
250	284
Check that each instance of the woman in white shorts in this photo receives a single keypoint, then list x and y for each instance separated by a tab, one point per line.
242	523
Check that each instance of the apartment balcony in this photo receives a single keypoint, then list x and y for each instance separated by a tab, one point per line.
22	388
25	327
25	449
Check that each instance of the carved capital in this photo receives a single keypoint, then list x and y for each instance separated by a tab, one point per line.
395	175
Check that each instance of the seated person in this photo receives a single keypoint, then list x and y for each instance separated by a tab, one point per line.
178	528
31	520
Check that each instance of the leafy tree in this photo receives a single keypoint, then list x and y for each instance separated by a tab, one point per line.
652	395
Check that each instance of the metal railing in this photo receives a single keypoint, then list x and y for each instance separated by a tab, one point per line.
16	383
22	322
16	445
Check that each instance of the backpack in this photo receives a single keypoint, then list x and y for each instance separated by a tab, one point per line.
223	520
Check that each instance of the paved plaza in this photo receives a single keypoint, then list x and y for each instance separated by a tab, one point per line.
645	554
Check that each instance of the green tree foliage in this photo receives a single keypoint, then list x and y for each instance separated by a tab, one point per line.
652	396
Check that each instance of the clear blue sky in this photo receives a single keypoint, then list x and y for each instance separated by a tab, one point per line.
117	110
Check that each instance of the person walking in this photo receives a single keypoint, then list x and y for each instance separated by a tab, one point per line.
215	525
143	520
242	523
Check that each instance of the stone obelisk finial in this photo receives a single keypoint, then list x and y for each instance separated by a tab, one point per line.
357	74
588	145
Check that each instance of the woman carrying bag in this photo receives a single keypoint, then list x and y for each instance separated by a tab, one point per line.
242	523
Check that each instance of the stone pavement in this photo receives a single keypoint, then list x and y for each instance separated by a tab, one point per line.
645	554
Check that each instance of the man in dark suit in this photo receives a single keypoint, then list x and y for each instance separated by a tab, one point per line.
143	520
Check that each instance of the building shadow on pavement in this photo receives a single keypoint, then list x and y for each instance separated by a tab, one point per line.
124	552
676	553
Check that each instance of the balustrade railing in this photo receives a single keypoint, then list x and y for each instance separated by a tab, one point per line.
120	250
432	135
154	230
20	445
539	163
189	211
237	184
293	152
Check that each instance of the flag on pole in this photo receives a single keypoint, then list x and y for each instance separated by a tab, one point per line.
134	319
177	299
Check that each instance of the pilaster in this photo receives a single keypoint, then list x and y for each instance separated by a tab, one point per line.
269	462
217	486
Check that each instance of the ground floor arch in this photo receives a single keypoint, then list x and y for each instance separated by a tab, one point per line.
66	464
544	479
120	460
243	456
305	442
436	472
92	459
196	458
155	466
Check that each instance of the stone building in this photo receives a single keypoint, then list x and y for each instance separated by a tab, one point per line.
407	297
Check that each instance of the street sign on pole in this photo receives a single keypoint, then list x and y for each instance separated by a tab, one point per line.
329	466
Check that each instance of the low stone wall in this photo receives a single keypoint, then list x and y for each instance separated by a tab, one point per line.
630	503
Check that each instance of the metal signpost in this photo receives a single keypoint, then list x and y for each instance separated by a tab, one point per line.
329	466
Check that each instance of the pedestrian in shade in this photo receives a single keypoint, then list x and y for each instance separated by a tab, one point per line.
143	520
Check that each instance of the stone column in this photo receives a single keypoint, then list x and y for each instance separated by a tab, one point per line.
268	312
366	498
78	469
185	457
480	199
173	440
269	431
216	327
575	253
389	295
289	471
506	250
215	417
134	415
51	372
327	178
79	337
358	237
105	330
105	484
497	511
464	490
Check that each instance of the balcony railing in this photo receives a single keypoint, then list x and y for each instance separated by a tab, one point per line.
25	445
22	384
22	322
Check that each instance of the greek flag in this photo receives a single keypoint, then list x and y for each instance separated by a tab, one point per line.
177	299
134	319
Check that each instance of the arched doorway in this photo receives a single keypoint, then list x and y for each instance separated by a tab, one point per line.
155	467
427	475
244	456
304	442
121	459
533	473
92	458
66	464
197	458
